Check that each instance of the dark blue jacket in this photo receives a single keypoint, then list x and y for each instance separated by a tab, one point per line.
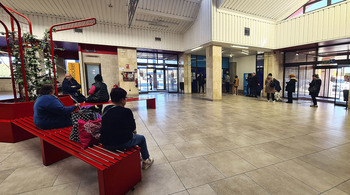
50	113
67	86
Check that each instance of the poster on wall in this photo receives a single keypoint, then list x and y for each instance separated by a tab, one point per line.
74	70
128	76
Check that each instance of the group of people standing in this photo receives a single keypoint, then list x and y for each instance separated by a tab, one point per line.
272	85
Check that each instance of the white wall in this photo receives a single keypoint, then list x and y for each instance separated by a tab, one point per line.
201	30
245	64
228	27
325	24
107	34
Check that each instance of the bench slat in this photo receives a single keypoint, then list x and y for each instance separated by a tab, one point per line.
85	156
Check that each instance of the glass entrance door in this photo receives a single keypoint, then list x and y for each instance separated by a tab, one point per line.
287	71
329	85
142	79
305	77
341	85
150	79
172	79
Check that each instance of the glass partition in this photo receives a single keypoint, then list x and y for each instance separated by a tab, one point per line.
287	72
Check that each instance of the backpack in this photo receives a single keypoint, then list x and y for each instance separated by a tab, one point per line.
272	84
84	114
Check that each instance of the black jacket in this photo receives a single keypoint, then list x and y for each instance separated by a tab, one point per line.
118	125
100	95
291	85
254	82
315	87
67	86
277	85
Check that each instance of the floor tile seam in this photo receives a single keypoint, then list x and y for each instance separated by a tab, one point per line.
47	188
299	179
244	159
7	157
59	173
318	167
257	184
8	175
215	167
172	167
336	186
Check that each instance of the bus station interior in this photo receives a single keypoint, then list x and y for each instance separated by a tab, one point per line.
209	142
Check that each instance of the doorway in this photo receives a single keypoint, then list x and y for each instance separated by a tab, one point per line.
151	79
342	84
91	71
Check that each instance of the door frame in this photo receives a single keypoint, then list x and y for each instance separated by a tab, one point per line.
86	74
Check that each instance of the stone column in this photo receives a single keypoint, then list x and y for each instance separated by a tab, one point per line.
213	73
187	74
273	63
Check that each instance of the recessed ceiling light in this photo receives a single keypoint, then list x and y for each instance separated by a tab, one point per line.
196	48
236	46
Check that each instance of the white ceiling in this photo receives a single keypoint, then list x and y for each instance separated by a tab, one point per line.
268	9
165	15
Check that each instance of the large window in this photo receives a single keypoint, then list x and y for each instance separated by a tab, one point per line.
5	67
313	5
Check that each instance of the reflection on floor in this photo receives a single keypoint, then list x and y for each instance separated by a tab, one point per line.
239	145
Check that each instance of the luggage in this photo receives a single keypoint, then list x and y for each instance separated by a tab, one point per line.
85	114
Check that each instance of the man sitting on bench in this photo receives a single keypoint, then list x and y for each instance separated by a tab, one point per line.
118	131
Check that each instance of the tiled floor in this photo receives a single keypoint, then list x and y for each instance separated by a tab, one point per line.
239	145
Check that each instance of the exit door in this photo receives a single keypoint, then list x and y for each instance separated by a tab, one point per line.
91	71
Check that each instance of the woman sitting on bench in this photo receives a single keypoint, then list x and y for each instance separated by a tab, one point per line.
118	131
49	111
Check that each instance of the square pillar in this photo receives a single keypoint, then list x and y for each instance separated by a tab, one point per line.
185	60
214	73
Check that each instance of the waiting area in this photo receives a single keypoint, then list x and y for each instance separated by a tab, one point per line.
239	145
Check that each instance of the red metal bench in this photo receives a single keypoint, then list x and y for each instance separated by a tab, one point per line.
151	102
117	172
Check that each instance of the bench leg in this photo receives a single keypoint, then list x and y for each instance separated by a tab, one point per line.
151	103
50	153
120	177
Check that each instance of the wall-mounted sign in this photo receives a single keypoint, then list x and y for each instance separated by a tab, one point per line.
127	66
74	70
128	76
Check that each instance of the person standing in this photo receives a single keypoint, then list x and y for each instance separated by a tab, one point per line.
71	86
227	83
277	89
270	88
201	81
236	84
249	85
314	89
254	85
290	88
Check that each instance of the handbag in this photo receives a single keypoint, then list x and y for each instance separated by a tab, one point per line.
84	114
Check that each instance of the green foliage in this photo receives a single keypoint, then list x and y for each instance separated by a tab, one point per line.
37	62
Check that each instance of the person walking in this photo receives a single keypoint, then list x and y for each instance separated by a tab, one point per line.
236	84
290	88
270	88
314	89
